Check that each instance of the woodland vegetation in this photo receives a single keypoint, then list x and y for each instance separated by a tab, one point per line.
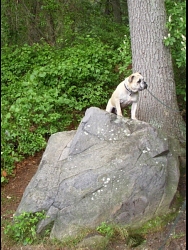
60	58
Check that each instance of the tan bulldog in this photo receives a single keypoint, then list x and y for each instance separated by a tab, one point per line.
125	94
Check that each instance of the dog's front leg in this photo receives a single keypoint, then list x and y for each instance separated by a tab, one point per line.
133	110
118	107
109	106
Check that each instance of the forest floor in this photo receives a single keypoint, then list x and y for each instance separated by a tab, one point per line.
172	235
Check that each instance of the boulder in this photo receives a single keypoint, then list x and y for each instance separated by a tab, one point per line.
110	169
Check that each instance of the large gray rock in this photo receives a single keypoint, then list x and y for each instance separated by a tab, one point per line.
113	170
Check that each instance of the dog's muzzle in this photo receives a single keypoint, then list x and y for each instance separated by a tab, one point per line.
143	86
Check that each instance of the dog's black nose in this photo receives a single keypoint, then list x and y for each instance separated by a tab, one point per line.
145	85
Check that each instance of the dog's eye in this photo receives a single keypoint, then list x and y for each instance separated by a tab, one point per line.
139	80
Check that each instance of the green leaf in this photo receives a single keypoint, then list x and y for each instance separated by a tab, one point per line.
2	179
42	74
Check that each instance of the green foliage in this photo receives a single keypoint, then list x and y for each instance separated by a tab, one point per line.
176	26
176	41
154	225
119	232
106	230
135	236
112	231
107	31
59	23
177	236
23	228
126	57
45	90
3	179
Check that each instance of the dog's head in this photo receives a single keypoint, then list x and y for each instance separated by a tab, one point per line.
136	82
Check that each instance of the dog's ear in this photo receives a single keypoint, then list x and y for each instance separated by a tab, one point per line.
131	77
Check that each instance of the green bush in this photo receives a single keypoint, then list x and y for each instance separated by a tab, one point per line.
105	229
176	25
176	41
45	90
23	228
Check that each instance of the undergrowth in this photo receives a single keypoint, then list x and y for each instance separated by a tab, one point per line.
46	90
23	227
23	231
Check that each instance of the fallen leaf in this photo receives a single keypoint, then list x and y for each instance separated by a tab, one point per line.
4	173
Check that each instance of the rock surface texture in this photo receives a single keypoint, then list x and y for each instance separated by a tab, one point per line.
111	169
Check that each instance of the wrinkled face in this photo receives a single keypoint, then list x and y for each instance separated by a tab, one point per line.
136	82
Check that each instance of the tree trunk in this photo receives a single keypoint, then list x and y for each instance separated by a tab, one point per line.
116	11
147	21
107	8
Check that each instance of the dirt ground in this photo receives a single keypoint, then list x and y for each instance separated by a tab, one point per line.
173	235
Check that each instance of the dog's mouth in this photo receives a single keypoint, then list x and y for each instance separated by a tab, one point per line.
143	86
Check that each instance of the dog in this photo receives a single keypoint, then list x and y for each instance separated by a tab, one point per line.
125	94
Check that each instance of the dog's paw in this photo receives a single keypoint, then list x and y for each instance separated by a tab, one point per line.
124	119
119	116
118	119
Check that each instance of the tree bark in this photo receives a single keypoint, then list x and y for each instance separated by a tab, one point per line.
152	58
